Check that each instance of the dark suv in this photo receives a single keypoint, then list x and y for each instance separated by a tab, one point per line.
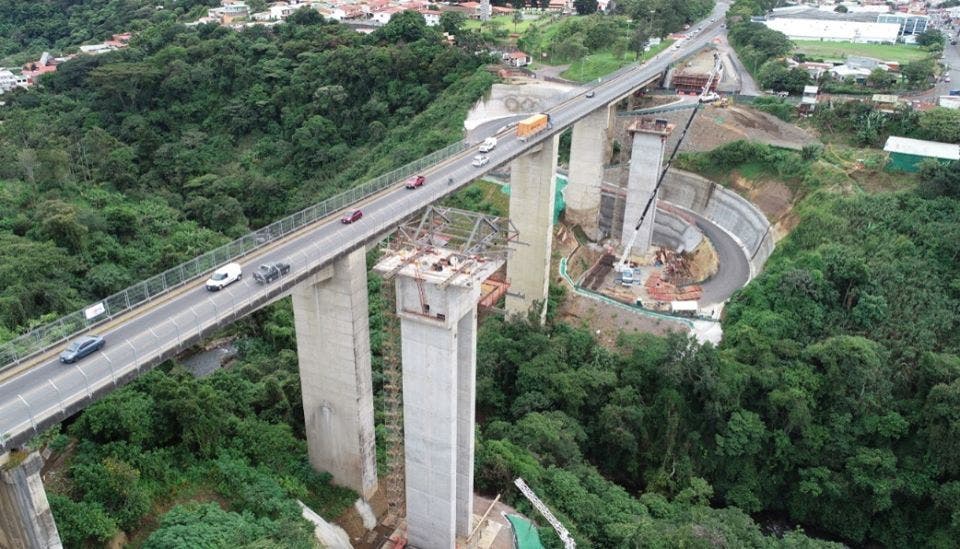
270	271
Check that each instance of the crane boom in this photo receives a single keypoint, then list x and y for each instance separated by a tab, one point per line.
714	73
562	532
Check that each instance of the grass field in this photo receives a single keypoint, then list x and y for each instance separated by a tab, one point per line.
506	22
600	64
838	51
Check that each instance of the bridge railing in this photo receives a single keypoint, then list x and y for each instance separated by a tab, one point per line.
43	338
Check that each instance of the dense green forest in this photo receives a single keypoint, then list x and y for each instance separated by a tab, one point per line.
125	164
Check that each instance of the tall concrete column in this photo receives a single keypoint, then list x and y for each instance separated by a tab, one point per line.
589	151
333	347
437	305
466	400
532	198
26	521
646	161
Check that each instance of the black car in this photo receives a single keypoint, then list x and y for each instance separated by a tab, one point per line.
81	347
270	271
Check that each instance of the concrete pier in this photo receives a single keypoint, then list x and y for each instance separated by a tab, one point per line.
532	198
333	346
646	162
589	151
26	521
437	305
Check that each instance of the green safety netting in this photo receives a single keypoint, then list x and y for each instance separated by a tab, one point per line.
525	534
559	203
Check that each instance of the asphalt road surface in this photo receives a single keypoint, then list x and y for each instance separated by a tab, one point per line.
48	391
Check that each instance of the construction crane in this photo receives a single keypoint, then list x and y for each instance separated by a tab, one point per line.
565	537
623	264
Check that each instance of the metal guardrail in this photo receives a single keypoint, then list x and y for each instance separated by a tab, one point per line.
44	337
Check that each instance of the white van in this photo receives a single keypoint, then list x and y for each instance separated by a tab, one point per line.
224	276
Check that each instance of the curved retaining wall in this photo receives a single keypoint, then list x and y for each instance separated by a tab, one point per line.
725	208
673	231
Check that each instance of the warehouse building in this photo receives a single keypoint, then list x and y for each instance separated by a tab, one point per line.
809	23
906	154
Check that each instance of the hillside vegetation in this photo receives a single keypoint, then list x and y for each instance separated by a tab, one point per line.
126	164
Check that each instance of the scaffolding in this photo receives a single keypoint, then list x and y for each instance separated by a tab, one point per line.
471	243
392	408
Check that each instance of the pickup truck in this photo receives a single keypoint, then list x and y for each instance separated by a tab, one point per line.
270	271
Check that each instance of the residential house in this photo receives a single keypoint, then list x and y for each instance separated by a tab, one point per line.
432	17
383	15
884	102
228	12
517	59
8	80
808	102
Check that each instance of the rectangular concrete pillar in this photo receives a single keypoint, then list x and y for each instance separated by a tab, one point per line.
466	405
589	152
532	190
26	521
646	160
333	347
438	340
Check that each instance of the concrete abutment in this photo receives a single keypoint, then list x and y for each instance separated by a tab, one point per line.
26	521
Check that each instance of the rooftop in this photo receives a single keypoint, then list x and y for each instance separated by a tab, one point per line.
919	147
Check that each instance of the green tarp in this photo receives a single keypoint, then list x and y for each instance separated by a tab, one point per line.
559	203
525	534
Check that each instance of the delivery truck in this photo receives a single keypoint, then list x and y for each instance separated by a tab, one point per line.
532	126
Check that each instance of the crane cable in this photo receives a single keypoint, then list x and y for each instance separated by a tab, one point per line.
676	148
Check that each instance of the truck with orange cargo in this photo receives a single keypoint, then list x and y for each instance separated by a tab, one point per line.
532	126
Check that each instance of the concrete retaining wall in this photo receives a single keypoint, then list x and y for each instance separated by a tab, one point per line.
509	100
672	231
726	208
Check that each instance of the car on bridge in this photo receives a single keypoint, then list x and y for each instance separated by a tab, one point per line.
81	347
480	161
415	181
351	216
224	276
269	272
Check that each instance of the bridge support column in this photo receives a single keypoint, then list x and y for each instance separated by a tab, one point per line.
532	198
438	328
646	161
589	152
333	347
26	521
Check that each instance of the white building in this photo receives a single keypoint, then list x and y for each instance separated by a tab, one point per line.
96	49
8	81
949	101
835	31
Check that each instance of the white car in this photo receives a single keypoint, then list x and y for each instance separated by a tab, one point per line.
480	160
224	276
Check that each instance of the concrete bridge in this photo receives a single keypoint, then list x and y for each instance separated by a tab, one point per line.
327	283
